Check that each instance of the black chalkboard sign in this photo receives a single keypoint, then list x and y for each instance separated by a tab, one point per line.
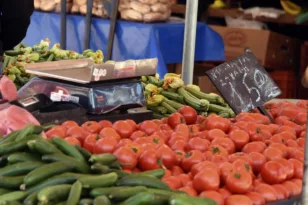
244	83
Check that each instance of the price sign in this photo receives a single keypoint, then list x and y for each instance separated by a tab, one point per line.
244	83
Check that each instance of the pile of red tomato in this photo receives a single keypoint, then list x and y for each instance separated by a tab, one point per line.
242	161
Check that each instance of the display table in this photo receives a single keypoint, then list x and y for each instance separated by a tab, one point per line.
132	41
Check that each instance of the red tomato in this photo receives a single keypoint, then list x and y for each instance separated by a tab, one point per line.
57	132
298	168
226	143
296	154
180	155
297	128
225	193
200	119
149	160
267	191
179	145
291	143
127	158
136	148
272	153
143	140
68	124
191	158
225	169
238	200
214	195
281	119
109	132
254	147
205	165
197	143
175	119
282	193
241	165
173	182
175	136
133	124
189	114
165	135
78	133
176	171
123	142
256	198
189	190
105	145
301	141
239	155
217	122
257	161
167	156
73	141
239	182
288	166
287	133
298	182
301	118
292	188
105	123
184	178
281	147
137	134
92	127
183	129
215	133
123	128
240	138
273	172
157	140
149	127
205	181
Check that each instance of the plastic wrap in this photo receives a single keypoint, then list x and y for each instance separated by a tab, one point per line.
95	98
145	10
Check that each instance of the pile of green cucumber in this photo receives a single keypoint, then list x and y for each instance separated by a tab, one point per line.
38	171
164	99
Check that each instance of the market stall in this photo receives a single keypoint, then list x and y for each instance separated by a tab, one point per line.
160	40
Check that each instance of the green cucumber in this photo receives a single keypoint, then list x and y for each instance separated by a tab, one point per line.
10	203
68	149
13	196
75	194
143	180
42	146
4	191
31	199
22	157
158	173
46	171
99	168
11	182
10	137
96	181
104	159
125	193
86	202
19	168
13	53
54	193
104	191
66	178
86	154
62	203
29	130
139	199
17	146
101	200
59	157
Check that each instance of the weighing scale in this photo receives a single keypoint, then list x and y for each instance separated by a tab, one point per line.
110	91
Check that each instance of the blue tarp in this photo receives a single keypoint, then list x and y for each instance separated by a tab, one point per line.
132	41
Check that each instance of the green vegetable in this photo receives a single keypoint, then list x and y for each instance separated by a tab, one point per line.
75	194
101	200
142	180
31	199
22	157
13	196
19	168
96	181
54	193
68	149
42	146
105	159
125	193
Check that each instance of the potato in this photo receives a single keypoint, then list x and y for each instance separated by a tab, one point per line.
166	1
152	17
48	5
81	2
37	4
68	7
151	2
75	8
131	15
140	7
159	7
83	9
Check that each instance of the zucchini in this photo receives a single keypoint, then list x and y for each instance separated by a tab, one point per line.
19	168
96	181
54	193
158	109
173	96
215	99
168	107
13	196
142	180
68	149
157	115
174	104
13	53
217	108
75	194
201	105
46	171
153	80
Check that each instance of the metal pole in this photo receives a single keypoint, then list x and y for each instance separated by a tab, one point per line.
88	24
189	41
63	24
113	20
305	182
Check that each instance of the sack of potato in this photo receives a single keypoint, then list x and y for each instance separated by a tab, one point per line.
51	5
80	6
145	10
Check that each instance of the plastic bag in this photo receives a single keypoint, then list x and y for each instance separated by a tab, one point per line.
145	10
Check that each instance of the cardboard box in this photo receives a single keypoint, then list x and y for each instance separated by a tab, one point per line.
273	50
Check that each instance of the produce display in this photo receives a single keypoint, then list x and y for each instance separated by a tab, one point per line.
145	10
15	60
80	6
167	95
35	171
246	158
